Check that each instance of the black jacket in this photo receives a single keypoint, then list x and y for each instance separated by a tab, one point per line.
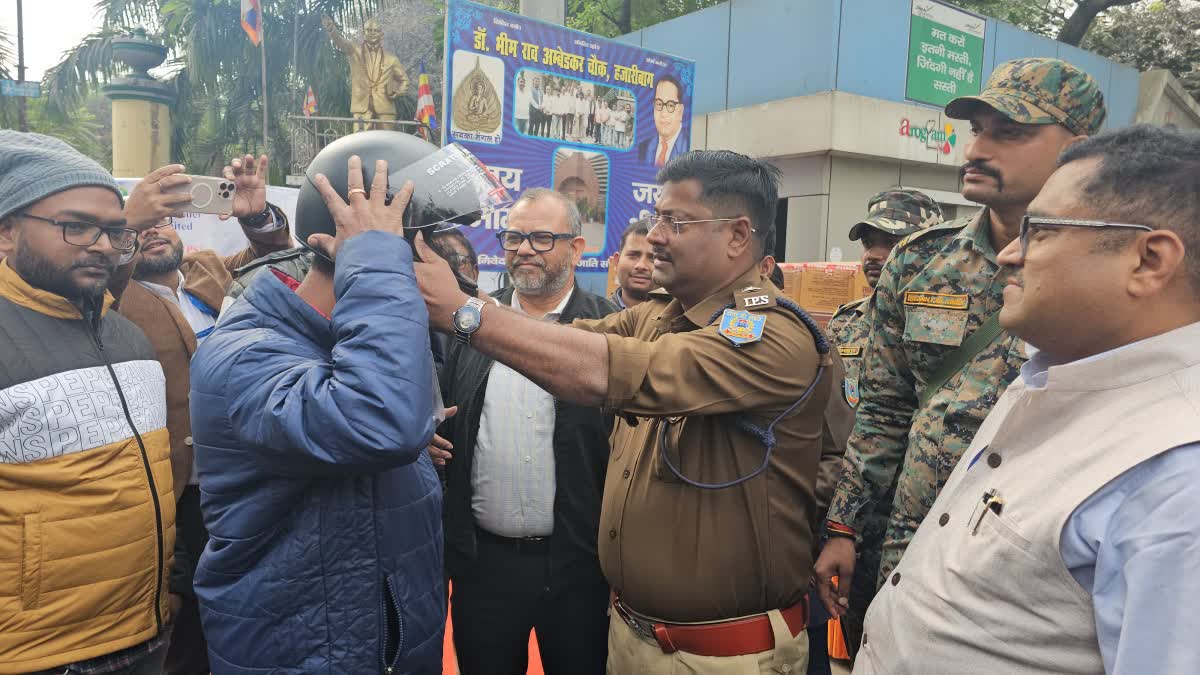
581	450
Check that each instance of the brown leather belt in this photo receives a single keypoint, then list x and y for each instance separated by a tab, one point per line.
749	635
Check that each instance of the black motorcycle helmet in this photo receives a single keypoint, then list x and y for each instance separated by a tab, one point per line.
450	184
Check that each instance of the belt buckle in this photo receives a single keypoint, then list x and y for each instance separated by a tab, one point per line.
634	624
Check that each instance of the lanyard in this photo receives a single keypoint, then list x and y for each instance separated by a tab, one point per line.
766	435
204	309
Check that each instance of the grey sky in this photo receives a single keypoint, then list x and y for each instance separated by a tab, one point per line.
51	27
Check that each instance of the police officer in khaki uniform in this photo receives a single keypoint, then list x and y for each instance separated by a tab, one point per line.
891	215
937	360
720	389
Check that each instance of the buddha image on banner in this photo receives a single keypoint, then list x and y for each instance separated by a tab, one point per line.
546	106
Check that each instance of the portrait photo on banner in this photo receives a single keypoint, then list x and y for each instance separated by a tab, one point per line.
478	98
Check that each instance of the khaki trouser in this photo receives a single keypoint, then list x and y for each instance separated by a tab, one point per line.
631	654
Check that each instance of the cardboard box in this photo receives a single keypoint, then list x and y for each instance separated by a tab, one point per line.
821	287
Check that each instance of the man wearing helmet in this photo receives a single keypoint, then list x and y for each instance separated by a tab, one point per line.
312	406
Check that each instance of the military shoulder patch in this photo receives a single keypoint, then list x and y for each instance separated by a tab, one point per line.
938	300
850	389
741	327
850	352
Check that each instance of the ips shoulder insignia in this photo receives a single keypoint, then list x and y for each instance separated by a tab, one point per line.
741	327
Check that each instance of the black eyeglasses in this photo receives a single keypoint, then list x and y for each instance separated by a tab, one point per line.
670	106
86	234
1031	224
541	241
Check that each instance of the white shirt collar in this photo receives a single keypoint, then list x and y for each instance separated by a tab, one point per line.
165	291
1036	370
550	316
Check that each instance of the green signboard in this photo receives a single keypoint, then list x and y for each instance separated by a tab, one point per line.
945	53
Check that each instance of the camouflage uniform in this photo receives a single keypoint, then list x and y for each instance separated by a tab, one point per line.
896	212
939	286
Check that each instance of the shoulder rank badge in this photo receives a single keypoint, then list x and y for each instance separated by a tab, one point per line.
851	389
741	327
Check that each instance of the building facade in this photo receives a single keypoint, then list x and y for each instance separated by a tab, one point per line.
825	90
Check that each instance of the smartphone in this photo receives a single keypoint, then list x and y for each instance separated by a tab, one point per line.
209	195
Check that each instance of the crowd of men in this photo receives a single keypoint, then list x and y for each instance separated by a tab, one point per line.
289	460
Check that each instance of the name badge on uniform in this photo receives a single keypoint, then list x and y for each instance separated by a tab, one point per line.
937	300
850	352
851	389
741	327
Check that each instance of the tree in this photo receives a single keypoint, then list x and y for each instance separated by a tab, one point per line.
611	18
1162	34
213	69
1048	17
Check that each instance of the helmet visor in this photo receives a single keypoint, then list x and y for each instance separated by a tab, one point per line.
450	187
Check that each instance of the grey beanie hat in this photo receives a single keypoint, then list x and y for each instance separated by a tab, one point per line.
33	167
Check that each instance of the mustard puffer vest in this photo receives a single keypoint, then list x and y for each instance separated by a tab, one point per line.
87	514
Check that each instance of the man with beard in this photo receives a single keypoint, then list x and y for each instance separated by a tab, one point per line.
709	498
175	298
87	513
522	506
891	215
938	360
634	262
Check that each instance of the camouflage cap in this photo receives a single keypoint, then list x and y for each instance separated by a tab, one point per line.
1039	91
898	212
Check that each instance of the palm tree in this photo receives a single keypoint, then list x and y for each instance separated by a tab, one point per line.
214	69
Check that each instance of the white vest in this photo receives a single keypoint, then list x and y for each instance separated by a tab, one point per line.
984	592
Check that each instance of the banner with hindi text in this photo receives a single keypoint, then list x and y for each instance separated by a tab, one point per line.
546	106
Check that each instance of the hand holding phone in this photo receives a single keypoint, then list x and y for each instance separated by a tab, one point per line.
208	195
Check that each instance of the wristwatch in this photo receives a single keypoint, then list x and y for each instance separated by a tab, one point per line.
467	319
261	222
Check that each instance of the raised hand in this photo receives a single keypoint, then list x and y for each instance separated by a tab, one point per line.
365	211
250	197
150	202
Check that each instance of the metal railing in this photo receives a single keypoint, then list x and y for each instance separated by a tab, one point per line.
308	135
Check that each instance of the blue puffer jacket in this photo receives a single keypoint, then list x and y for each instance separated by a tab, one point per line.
322	505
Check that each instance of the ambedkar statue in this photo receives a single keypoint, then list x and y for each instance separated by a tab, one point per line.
377	78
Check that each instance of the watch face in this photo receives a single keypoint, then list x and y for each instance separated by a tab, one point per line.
466	319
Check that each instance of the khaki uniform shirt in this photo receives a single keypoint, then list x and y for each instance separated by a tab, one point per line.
938	287
681	553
